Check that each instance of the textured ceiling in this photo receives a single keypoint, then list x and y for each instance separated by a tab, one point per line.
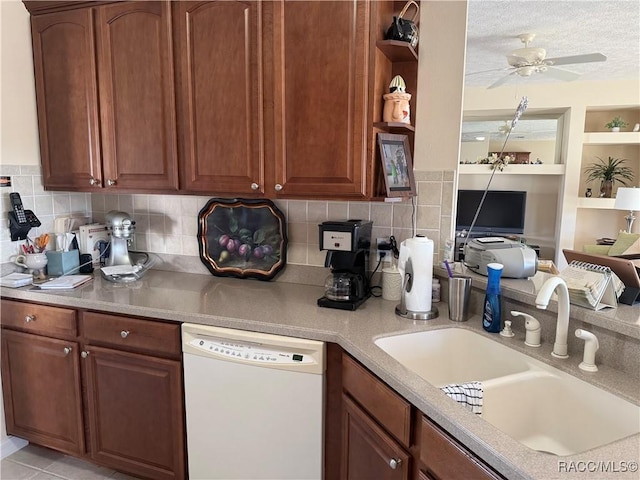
525	129
563	28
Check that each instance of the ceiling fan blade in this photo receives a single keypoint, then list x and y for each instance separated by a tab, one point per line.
486	71
587	58
560	74
501	81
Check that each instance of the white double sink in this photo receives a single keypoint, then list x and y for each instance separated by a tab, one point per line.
538	405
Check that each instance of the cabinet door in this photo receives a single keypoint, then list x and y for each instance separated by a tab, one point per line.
219	62
369	452
41	385
137	103
444	458
66	97
319	115
136	413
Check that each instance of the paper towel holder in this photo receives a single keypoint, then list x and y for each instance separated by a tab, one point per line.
401	309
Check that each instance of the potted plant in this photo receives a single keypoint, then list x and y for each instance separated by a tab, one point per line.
608	172
616	124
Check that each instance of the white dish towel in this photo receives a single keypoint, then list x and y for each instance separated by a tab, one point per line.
468	394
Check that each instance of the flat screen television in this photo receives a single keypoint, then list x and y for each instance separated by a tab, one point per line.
502	212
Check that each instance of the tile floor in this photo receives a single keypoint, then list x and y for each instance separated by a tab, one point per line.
38	463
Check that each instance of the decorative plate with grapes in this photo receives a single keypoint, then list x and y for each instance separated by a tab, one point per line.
242	238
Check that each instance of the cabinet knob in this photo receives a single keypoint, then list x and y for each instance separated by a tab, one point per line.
124	333
254	186
111	182
394	463
67	350
30	318
278	187
84	354
94	181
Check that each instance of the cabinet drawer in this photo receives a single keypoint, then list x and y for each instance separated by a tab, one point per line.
43	319
131	333
386	406
445	458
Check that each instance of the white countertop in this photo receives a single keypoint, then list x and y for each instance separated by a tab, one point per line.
291	309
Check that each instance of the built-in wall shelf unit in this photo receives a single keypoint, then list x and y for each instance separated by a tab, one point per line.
596	203
611	138
513	169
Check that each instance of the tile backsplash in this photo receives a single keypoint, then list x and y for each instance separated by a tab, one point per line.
168	224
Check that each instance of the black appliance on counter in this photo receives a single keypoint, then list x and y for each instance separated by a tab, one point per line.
347	244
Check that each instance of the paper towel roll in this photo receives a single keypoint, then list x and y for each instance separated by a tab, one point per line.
419	261
391	283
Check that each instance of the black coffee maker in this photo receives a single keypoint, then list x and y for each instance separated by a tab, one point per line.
347	244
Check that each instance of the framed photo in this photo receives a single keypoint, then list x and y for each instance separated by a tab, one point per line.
397	165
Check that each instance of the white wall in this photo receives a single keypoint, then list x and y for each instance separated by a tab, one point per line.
19	125
443	34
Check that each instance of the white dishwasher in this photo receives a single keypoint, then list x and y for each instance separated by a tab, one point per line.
254	404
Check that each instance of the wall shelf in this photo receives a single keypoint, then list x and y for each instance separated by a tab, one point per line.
611	138
596	202
397	51
395	127
513	169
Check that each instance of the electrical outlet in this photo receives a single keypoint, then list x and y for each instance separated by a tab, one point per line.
384	245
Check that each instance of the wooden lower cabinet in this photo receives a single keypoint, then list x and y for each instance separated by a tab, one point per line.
383	436
370	452
444	458
111	393
41	385
135	412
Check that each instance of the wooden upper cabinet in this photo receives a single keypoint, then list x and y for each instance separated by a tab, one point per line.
137	106
320	62
106	110
66	92
219	66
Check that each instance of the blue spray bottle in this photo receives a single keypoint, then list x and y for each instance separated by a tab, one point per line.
492	313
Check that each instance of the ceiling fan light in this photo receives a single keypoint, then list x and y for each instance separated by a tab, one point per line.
526	71
529	55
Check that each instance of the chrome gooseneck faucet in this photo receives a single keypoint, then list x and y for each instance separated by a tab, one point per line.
562	327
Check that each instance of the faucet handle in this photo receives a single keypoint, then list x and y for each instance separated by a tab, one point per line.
506	331
532	326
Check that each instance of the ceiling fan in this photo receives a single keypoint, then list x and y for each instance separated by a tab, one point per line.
527	61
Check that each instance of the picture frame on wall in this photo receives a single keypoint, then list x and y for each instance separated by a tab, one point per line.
397	165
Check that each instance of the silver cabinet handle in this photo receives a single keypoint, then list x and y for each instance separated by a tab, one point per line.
254	186
394	463
67	350
94	181
124	333
84	354
278	187
30	318
111	182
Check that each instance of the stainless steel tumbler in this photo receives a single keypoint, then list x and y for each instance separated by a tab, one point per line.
459	293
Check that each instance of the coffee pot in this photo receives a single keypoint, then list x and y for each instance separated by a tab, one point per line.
344	287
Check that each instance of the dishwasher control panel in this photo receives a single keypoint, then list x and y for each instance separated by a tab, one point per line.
251	352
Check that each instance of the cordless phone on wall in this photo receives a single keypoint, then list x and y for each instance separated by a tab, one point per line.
20	220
